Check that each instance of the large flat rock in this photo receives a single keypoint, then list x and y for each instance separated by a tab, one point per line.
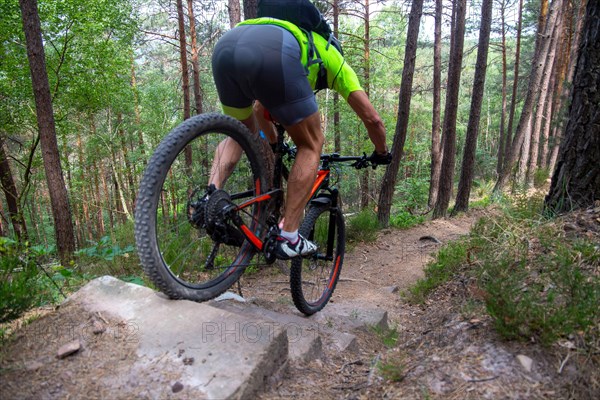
214	353
304	335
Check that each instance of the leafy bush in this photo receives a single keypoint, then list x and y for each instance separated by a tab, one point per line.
405	219
18	288
537	282
449	260
362	227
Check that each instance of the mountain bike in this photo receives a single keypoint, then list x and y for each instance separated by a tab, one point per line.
195	241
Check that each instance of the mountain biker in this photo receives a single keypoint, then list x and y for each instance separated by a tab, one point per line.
265	62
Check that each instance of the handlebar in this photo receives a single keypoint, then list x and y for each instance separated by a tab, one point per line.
358	162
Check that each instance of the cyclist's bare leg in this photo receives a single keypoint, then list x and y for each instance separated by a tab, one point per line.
309	139
227	155
265	125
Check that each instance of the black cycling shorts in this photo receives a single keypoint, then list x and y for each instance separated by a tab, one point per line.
262	62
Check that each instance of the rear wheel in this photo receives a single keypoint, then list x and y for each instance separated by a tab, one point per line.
187	244
313	279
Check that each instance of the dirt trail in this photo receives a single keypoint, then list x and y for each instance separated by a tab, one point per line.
437	350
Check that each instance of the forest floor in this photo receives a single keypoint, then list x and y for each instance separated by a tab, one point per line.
445	348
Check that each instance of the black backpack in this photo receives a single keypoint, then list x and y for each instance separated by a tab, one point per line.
307	17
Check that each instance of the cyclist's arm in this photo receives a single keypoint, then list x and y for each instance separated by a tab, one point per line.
360	103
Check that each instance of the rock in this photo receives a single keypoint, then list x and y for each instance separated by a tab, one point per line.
525	362
68	349
230	296
177	387
390	289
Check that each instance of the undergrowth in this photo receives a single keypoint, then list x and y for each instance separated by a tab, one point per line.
537	282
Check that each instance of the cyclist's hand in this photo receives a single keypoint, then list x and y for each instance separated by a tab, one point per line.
381	159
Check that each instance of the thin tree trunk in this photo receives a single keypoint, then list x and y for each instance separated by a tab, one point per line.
364	176
502	140
61	211
450	113
524	126
436	151
11	194
195	62
545	93
513	100
235	12
138	117
391	173
337	141
466	175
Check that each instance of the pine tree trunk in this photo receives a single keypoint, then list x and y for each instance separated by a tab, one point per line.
436	150
337	141
364	175
524	127
468	162
576	181
195	62
250	8
235	12
450	113
515	86
11	194
502	138
61	210
389	178
545	93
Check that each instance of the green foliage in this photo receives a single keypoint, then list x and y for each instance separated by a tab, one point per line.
104	250
538	284
18	289
388	336
393	367
362	227
450	259
404	219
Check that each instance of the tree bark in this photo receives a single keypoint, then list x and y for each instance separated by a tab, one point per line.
195	62
250	8
235	12
545	93
515	86
576	180
466	175
337	141
450	113
364	175
502	132
389	178
61	211
15	213
524	126
436	150
185	78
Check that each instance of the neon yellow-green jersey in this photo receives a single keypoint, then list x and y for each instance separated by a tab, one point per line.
340	76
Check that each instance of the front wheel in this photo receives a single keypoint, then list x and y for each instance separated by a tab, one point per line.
187	246
313	279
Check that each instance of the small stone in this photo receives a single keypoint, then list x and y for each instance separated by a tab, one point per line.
188	361
177	387
98	327
525	362
68	349
33	365
391	289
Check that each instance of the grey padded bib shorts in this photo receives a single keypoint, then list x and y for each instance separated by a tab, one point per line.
262	62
